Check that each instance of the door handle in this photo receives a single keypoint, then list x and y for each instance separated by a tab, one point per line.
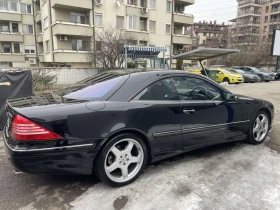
189	111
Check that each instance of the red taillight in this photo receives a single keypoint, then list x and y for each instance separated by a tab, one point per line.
26	130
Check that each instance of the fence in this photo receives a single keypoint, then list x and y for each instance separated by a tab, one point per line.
55	78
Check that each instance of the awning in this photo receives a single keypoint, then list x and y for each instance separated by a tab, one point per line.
134	51
204	54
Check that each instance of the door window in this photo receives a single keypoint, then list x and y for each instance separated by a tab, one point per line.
190	88
162	90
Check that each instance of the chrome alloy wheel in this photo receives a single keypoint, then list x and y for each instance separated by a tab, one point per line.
260	127
124	160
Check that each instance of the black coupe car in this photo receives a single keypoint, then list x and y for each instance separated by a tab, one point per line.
114	125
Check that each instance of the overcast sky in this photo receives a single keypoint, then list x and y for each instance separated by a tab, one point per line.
210	10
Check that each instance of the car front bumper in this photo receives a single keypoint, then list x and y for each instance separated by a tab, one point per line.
67	160
236	80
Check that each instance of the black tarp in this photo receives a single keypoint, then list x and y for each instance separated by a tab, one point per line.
12	85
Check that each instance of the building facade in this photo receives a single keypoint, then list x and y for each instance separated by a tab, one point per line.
52	32
208	34
259	16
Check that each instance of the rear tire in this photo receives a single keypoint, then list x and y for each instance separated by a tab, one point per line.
259	128
122	160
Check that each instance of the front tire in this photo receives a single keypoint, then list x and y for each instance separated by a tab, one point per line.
122	160
226	80
259	128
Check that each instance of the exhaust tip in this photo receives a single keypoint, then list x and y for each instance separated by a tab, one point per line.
16	171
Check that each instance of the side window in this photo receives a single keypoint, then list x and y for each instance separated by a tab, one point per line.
190	88
159	91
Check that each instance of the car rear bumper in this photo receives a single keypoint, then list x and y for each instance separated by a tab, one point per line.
71	160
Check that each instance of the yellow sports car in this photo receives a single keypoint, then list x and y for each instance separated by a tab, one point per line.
222	75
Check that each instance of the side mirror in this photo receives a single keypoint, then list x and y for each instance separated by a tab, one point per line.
231	97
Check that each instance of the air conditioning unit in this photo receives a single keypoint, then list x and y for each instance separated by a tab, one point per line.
182	8
144	10
32	61
181	47
98	2
63	38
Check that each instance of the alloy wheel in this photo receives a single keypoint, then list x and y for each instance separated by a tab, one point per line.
260	127
124	160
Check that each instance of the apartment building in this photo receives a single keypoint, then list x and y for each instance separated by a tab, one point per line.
52	32
259	16
209	34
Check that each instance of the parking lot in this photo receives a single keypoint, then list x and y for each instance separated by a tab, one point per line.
229	176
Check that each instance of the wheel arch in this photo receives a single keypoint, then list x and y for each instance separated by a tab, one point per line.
136	132
265	109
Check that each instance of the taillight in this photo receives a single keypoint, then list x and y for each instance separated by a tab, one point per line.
26	130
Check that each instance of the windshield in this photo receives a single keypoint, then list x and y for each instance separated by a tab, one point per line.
98	91
255	69
226	71
239	71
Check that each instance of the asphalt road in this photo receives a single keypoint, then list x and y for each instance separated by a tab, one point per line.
229	176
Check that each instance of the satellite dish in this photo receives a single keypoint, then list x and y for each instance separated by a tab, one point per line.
118	3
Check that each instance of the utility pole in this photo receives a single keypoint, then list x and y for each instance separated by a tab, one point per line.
93	33
172	29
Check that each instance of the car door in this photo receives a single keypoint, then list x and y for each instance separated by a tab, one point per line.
206	116
160	116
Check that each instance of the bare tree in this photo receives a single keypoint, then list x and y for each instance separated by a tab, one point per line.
254	49
108	47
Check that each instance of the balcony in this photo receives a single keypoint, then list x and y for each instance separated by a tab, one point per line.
83	4
12	57
137	11
275	10
274	2
71	29
182	39
139	35
11	37
67	56
16	17
184	2
246	3
40	38
38	17
183	19
249	13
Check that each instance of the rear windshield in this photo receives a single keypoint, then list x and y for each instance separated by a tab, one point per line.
98	91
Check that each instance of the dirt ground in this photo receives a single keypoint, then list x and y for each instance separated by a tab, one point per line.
229	176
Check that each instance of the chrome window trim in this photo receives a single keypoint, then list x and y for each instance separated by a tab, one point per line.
206	79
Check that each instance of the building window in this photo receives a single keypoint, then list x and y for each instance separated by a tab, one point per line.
168	5
29	49
98	19
265	29
267	9
153	4
27	29
9	5
98	46
25	9
168	29
47	46
120	21
7	48
143	3
266	19
152	26
143	24
143	43
78	18
46	22
132	22
132	2
79	45
16	48
4	27
15	27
